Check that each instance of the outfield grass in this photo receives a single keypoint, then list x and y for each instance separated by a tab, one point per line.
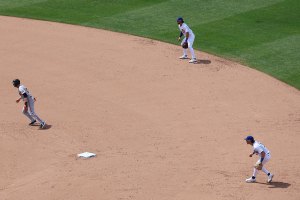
262	34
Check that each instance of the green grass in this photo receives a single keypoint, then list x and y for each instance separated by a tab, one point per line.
264	35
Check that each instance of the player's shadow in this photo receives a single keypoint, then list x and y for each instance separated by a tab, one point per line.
277	184
206	62
35	125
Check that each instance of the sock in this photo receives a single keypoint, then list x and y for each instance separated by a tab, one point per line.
265	171
254	172
192	52
184	52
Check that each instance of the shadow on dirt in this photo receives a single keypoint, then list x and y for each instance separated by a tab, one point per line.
277	184
35	125
206	62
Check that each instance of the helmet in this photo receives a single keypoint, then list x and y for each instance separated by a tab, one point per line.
180	19
250	138
16	82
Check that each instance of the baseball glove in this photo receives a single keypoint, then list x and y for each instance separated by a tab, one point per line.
185	45
258	165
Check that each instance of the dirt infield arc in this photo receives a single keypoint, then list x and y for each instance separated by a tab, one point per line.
161	128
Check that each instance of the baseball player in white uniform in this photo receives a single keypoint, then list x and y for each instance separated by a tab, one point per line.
264	156
28	109
189	37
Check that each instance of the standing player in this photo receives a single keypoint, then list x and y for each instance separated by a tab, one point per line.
264	156
189	38
29	100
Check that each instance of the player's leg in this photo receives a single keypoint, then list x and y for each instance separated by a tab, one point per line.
184	55
265	171
27	114
266	159
190	43
253	178
255	171
33	114
268	173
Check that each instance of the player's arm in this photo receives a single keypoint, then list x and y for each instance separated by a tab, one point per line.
180	35
18	100
252	154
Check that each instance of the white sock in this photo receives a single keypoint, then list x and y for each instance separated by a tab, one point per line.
255	171
184	52
265	170
192	52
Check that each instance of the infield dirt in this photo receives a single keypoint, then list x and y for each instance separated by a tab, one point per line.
161	128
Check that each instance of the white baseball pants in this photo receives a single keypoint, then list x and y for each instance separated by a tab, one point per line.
190	43
266	159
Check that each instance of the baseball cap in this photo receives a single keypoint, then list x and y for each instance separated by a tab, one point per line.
179	19
249	137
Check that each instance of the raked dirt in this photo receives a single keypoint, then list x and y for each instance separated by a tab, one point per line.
162	129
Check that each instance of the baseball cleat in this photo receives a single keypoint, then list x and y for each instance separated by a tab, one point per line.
43	125
193	60
250	180
270	178
183	57
31	123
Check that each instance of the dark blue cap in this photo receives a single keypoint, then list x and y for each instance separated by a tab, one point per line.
249	137
179	19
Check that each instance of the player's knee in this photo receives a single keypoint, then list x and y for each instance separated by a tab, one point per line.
33	114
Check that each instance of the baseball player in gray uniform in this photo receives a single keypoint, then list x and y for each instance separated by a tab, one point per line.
28	109
264	156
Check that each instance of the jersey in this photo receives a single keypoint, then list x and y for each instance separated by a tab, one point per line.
23	90
184	29
259	147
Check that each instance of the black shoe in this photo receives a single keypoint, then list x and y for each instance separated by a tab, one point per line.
31	123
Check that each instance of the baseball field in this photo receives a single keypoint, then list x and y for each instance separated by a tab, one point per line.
161	128
260	34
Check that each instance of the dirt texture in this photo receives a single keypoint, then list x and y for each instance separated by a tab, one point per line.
162	128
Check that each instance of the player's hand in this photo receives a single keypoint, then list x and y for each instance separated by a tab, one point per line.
250	155
18	100
179	38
